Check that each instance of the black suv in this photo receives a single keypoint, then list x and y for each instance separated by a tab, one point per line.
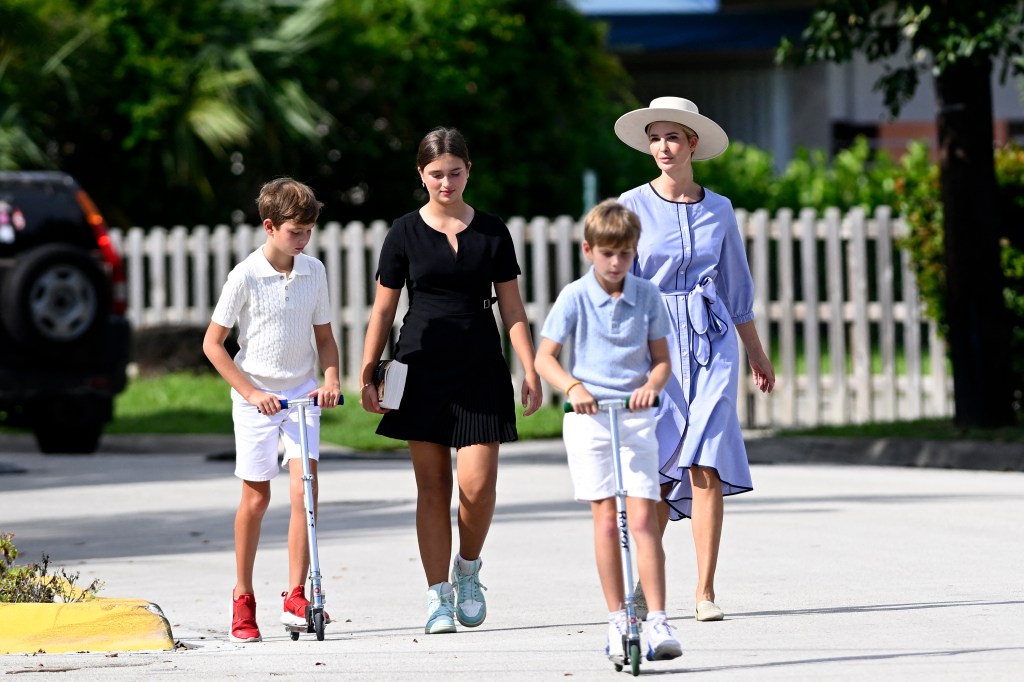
64	337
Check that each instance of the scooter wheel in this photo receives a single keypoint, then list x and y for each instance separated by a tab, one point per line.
618	668
318	625
295	635
634	659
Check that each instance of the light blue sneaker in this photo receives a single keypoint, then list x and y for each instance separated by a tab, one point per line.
470	607
440	609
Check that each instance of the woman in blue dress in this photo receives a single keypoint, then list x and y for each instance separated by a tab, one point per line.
692	249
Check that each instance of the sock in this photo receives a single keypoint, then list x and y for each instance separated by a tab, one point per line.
617	616
465	566
653	616
442	588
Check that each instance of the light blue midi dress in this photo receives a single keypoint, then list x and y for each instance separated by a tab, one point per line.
695	254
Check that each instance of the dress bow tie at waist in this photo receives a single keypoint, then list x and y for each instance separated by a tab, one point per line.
701	318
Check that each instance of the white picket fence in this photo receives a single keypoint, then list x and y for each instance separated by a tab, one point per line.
835	293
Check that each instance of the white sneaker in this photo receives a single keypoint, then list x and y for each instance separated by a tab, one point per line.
613	648
662	644
470	607
440	609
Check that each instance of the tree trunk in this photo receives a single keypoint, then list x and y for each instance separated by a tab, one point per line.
979	332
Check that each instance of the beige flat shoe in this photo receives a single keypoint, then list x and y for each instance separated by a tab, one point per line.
708	610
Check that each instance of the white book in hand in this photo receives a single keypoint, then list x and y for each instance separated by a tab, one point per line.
390	379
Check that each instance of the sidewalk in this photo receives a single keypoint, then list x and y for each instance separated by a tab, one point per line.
839	572
762	448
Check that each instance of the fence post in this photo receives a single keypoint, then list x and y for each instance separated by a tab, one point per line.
199	247
357	313
809	293
836	323
179	275
912	340
886	324
860	332
762	406
136	274
939	392
157	247
785	373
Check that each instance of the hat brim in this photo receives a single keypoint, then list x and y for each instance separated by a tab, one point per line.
631	128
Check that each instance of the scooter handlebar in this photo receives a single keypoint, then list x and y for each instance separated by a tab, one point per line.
609	402
285	403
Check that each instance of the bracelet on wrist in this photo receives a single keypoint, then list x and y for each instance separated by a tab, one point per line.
571	386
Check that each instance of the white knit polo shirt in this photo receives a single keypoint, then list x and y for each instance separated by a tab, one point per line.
275	315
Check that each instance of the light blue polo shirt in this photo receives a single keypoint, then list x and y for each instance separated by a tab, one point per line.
607	336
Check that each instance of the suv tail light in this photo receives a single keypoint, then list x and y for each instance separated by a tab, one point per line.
110	255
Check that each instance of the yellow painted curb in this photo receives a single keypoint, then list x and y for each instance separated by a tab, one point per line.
95	625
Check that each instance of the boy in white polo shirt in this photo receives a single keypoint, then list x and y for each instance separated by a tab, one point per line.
277	296
617	326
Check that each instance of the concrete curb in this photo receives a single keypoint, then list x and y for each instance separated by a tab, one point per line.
974	455
96	625
762	448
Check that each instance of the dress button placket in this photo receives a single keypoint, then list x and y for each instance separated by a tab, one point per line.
684	341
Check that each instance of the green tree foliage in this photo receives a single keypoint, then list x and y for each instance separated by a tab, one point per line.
959	44
176	112
527	81
918	200
912	37
23	30
855	176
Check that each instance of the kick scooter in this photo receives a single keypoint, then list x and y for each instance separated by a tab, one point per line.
631	638
315	610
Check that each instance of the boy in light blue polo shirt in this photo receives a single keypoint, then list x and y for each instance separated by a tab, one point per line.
616	325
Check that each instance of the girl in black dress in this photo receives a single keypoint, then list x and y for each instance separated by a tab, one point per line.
459	392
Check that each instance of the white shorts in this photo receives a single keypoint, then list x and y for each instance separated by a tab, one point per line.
258	437
588	444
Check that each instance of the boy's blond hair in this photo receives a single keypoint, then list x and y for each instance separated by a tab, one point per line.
286	199
611	224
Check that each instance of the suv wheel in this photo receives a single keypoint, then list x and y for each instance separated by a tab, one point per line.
75	438
55	295
81	420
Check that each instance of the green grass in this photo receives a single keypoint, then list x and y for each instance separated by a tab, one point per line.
825	359
199	403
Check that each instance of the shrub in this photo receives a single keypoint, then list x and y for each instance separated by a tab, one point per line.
920	204
857	177
33	583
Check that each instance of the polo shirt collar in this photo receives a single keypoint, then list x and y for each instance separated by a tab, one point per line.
265	269
600	297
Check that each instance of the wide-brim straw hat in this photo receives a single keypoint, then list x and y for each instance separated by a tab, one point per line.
632	127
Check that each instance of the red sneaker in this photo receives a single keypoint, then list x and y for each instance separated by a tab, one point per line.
295	604
243	620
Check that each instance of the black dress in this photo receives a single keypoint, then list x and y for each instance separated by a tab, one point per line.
459	391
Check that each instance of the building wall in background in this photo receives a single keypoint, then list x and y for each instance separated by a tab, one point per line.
723	59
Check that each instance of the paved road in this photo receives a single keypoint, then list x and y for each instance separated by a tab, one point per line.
838	572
